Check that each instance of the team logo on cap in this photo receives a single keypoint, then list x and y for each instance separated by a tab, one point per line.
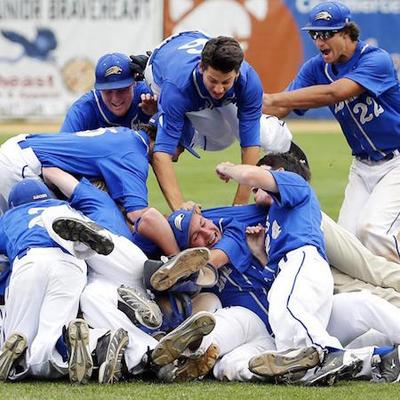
323	15
114	70
178	221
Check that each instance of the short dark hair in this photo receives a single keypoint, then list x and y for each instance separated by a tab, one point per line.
222	53
287	162
150	129
352	30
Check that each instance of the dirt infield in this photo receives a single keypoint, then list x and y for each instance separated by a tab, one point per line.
296	126
313	126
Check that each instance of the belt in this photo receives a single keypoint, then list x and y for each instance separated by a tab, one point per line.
23	253
387	157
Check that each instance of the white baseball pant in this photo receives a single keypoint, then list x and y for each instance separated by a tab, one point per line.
15	165
42	297
371	205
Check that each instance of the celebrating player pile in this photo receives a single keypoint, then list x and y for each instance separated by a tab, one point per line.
276	291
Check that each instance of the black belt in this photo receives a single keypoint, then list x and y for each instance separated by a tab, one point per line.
388	157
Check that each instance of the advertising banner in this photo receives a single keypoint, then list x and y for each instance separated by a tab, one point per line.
48	48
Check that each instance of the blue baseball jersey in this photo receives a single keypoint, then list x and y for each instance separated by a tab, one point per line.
90	112
294	219
370	121
175	66
20	228
117	155
99	207
242	282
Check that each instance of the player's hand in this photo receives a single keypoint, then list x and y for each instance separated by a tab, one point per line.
190	205
148	103
138	65
255	237
222	170
267	100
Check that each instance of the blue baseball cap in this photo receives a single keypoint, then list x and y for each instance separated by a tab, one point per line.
27	191
113	72
179	221
328	16
186	138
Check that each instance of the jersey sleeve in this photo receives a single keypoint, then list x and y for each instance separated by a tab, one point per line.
375	72
74	121
172	107
249	110
126	180
293	189
304	78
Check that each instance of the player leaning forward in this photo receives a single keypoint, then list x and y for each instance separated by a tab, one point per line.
301	295
206	92
359	84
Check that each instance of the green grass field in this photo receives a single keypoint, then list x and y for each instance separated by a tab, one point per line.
329	159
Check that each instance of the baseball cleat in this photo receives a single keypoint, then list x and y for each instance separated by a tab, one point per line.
86	232
171	346
139	308
13	348
197	367
180	266
386	368
80	363
110	370
336	366
280	363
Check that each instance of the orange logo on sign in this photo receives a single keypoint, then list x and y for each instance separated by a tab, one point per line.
266	29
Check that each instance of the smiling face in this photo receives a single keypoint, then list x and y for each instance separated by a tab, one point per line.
118	101
203	232
334	48
217	82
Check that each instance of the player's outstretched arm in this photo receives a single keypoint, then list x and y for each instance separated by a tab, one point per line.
61	179
313	96
167	180
247	175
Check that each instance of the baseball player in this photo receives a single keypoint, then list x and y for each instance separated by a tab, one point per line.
207	93
43	293
119	156
117	99
359	84
300	301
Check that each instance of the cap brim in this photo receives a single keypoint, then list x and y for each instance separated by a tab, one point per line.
114	85
322	28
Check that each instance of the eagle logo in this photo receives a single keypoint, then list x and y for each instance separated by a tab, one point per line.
114	70
323	15
178	221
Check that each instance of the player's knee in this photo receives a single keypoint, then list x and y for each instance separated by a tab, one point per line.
365	231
